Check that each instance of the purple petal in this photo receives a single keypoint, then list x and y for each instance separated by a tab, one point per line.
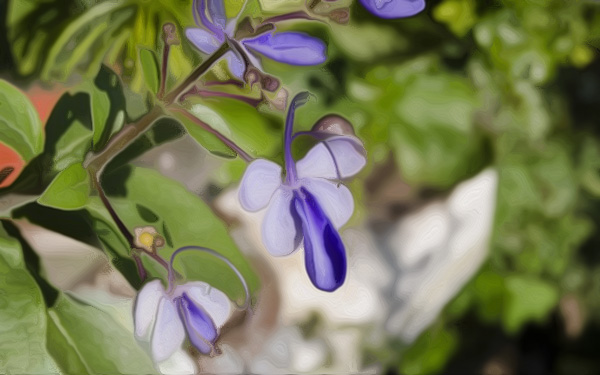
335	199
200	7
146	306
213	301
201	330
289	47
324	253
261	179
236	64
204	40
281	232
335	158
216	10
394	8
168	332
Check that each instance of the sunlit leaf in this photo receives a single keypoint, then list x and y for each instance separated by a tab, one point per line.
70	189
150	69
84	338
20	125
22	313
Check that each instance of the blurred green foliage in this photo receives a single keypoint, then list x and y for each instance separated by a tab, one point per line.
513	84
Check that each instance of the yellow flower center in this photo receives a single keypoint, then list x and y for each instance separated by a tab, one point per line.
146	239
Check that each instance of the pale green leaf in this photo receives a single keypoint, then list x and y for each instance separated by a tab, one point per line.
100	106
207	140
528	299
86	339
69	190
22	315
150	69
20	125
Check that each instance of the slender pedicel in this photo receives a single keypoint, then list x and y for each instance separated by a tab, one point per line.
217	255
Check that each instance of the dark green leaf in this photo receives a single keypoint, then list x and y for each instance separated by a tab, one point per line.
190	222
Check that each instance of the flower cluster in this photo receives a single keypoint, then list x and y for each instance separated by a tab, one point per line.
306	203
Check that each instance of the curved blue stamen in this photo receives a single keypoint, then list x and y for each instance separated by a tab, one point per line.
217	255
290	165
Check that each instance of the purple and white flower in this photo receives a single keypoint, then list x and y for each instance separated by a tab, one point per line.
394	8
165	316
288	47
310	204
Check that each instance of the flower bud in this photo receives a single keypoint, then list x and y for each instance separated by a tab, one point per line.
333	125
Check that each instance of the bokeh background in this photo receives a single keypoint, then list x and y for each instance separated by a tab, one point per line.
474	247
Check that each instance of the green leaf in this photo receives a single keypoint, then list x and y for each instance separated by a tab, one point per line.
68	134
150	69
70	189
207	140
188	221
22	313
20	125
253	131
100	104
528	299
108	106
430	352
86	339
459	15
433	134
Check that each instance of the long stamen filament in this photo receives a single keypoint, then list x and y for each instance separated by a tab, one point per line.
217	255
290	165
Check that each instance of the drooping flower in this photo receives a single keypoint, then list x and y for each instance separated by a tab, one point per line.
394	8
164	316
288	47
310	204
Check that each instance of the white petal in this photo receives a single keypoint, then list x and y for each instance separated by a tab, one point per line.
349	154
146	305
212	300
168	332
335	199
319	161
261	179
281	232
204	40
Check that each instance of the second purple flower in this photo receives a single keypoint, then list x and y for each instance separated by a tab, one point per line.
289	47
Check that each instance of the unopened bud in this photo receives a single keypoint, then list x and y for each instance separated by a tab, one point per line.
341	16
252	76
170	34
269	83
334	125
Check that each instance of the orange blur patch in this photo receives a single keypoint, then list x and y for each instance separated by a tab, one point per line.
44	100
11	165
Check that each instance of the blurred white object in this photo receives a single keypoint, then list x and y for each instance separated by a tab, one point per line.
398	289
437	250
